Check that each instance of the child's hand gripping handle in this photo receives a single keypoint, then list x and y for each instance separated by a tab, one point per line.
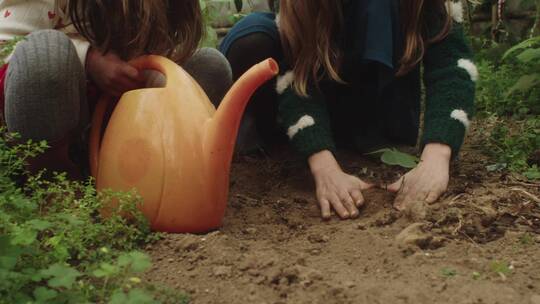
151	62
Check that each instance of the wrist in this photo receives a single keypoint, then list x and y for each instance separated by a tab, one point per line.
437	151
322	161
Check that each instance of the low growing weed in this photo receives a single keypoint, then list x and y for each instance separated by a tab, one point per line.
55	247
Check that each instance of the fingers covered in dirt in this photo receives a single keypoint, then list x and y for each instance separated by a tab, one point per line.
335	189
426	183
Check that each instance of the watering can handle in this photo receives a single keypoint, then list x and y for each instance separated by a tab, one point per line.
150	62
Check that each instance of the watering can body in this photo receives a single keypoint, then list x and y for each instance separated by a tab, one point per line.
173	147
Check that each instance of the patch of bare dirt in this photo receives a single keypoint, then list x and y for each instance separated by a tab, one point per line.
479	244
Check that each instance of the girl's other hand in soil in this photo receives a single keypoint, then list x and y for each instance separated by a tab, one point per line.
428	181
111	74
335	188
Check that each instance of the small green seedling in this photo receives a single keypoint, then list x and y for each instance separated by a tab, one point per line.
448	272
503	269
526	239
476	275
393	157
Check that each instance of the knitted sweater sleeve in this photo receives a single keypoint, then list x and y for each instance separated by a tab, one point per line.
304	119
449	77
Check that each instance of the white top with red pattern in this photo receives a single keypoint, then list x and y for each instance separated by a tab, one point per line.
22	17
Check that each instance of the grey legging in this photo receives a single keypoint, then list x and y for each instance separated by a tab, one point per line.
45	89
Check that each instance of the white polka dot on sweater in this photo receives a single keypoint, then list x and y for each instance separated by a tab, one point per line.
455	9
462	117
304	122
470	67
283	82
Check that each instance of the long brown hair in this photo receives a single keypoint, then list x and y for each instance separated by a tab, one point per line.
309	29
131	28
415	22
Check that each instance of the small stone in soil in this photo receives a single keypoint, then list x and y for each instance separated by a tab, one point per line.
222	271
251	230
387	219
315	252
416	211
317	238
349	284
414	235
361	226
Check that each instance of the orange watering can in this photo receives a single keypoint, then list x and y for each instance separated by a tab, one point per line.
173	146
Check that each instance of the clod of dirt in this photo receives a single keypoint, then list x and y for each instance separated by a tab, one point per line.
416	211
317	238
416	235
187	243
361	226
387	219
222	271
489	215
250	231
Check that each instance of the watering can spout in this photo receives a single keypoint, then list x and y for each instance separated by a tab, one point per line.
223	127
172	146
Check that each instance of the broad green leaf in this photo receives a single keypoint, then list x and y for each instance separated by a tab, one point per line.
394	157
24	236
118	297
137	261
39	225
523	45
524	83
139	296
106	270
529	55
9	253
61	275
44	294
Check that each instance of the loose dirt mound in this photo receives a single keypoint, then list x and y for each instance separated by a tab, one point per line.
480	244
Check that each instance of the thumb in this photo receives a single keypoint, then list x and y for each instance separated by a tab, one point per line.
365	186
395	187
130	72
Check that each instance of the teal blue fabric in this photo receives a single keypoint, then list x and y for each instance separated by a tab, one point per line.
371	31
253	23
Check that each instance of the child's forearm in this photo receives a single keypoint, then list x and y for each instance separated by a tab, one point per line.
321	161
437	151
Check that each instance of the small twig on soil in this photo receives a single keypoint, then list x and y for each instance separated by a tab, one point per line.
458	228
472	241
527	194
524	184
515	181
453	201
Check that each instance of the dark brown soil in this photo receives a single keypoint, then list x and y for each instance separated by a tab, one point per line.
479	244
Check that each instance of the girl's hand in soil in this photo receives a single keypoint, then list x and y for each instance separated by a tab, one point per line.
428	181
335	188
111	74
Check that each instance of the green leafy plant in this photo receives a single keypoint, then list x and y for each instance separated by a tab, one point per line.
501	268
513	107
393	157
55	247
210	38
448	272
8	47
527	52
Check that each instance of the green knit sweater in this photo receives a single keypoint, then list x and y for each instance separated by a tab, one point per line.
449	77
